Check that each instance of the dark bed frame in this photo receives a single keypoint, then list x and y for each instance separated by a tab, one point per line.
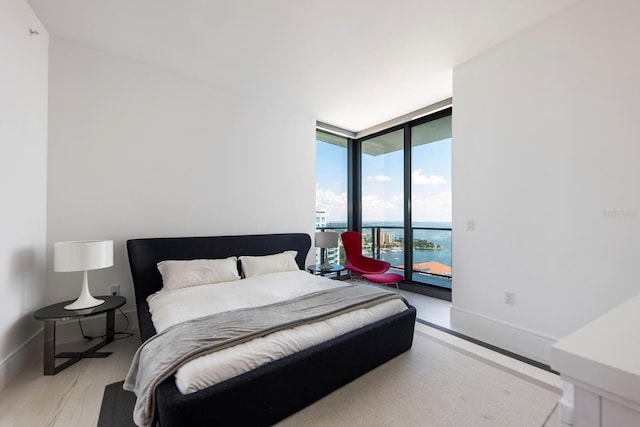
274	391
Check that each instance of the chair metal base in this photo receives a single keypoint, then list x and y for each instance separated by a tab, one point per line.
384	279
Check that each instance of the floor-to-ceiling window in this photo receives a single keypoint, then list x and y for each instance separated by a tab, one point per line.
395	187
382	201
331	188
431	202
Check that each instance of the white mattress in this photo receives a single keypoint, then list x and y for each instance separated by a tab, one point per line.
171	307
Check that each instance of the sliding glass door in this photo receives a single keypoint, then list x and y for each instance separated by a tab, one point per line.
431	202
383	197
406	198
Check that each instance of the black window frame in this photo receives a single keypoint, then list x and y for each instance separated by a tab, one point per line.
354	195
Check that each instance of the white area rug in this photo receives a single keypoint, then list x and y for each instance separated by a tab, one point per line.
434	384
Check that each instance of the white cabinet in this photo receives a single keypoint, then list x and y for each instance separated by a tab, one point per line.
602	361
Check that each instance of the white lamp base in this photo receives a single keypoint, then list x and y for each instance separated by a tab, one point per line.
85	300
326	266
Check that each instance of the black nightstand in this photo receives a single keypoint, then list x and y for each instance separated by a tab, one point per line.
52	313
335	268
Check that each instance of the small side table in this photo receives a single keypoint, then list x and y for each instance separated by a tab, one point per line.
52	313
335	268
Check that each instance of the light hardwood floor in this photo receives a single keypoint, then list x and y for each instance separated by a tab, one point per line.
70	398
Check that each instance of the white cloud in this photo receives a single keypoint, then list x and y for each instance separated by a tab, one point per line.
432	208
417	178
377	208
379	178
334	203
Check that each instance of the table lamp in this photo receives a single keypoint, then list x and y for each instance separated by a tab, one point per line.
324	240
83	256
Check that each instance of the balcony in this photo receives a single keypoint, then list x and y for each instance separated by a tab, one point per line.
430	256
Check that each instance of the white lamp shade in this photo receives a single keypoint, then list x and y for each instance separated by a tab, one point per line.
326	239
82	255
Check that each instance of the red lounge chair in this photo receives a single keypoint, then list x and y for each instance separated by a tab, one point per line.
371	269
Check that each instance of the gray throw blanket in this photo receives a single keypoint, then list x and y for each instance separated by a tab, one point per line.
161	355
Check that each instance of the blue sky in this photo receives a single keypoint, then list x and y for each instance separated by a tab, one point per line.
382	183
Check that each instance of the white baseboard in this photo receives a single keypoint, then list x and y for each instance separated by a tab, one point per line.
66	332
513	338
17	361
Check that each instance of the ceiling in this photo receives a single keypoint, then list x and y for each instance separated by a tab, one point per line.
349	63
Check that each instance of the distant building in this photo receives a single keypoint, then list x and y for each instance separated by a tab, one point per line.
386	238
321	218
333	254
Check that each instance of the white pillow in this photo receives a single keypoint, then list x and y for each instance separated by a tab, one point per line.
182	274
256	265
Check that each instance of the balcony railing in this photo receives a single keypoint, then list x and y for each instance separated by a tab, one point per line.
431	251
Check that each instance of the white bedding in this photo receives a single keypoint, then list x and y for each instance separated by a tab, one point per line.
175	306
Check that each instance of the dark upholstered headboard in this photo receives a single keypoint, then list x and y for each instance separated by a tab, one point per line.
145	254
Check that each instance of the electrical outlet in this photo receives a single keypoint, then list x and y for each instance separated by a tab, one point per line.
114	290
509	298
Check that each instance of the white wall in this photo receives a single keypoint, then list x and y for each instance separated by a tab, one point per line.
23	169
135	151
547	163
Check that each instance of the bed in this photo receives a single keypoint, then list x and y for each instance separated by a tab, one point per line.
269	393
